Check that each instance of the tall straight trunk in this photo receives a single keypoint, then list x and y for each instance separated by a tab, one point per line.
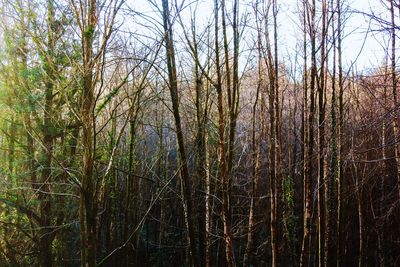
208	193
385	171
272	173
222	164
273	110
88	205
173	88
207	260
321	144
231	91
360	222
229	83
291	202
201	146
395	112
255	152
254	184
330	188
305	253
306	190
276	142
272	134
201	183
340	135
233	108
272	140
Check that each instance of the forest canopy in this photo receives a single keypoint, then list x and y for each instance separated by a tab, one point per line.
199	133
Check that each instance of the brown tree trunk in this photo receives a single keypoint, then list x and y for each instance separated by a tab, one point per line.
305	253
275	143
340	136
208	207
88	206
234	105
321	143
305	135
255	152
330	189
222	164
396	108
201	103
173	88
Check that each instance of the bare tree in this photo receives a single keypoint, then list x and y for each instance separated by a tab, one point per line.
173	88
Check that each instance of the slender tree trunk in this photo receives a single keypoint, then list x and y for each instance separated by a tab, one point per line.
358	177
208	218
222	165
88	207
306	183
272	174
173	87
395	112
321	144
305	255
385	171
275	143
330	189
201	103
273	110
340	136
233	108
255	153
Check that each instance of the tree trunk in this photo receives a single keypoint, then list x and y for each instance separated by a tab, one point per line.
88	205
340	137
222	161
305	253
208	207
255	153
321	144
395	112
330	188
173	88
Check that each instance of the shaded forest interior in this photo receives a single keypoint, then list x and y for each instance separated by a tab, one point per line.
184	133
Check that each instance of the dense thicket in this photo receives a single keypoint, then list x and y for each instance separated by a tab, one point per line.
185	135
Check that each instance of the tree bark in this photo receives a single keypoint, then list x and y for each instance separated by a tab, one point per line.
321	143
340	135
173	88
305	253
330	189
87	206
222	163
255	151
396	108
